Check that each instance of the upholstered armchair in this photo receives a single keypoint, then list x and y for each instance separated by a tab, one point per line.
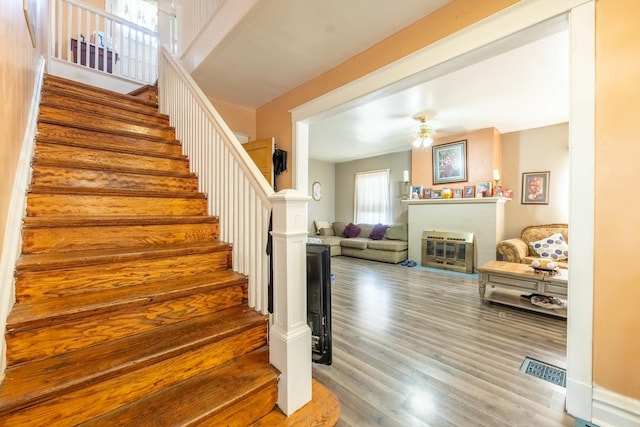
521	250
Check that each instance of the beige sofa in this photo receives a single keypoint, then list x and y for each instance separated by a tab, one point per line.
520	250
392	248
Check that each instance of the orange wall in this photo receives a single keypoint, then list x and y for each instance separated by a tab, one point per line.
616	338
18	63
273	118
240	119
483	154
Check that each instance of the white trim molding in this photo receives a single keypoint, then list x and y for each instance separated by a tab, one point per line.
614	410
581	210
11	246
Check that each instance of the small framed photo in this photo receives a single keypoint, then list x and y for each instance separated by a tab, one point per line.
535	188
469	191
436	194
483	189
416	191
426	193
457	193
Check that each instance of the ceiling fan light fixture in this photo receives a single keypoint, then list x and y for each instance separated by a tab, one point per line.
423	134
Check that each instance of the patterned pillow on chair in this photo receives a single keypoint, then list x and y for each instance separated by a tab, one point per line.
553	247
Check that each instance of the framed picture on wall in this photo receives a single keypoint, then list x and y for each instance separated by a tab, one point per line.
450	162
535	188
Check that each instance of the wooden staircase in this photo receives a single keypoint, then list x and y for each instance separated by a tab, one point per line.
127	310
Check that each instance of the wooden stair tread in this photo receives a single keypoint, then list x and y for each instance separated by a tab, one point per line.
114	169
36	381
51	80
76	95
113	192
28	315
47	261
92	221
205	395
322	410
130	151
95	122
61	134
82	111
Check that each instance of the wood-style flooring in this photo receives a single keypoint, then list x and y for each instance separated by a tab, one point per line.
417	348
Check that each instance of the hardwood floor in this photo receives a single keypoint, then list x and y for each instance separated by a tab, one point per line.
413	347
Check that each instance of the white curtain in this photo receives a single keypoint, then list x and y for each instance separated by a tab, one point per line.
372	202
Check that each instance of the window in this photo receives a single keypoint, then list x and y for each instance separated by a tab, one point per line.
372	201
140	12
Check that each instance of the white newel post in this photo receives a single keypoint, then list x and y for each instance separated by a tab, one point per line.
290	336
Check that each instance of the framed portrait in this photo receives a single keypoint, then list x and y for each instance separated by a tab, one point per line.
416	192
426	193
450	162
535	188
469	191
436	194
483	189
457	193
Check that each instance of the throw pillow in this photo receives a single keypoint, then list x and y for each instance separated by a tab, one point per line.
351	230
553	247
378	232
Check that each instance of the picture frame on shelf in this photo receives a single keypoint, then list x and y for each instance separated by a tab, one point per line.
436	194
416	192
484	189
469	191
426	193
457	193
535	188
450	162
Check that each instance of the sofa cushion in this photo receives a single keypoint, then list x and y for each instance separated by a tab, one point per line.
356	243
553	247
365	230
326	232
378	232
397	232
320	224
338	228
388	245
351	230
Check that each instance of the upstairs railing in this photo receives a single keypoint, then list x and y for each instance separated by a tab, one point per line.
236	190
194	16
92	38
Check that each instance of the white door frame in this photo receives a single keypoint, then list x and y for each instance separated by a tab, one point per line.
522	15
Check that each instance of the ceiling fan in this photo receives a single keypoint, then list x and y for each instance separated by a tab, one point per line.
423	134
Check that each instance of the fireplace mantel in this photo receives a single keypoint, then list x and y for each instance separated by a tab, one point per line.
483	216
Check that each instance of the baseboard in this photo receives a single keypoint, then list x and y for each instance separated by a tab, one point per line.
615	410
13	228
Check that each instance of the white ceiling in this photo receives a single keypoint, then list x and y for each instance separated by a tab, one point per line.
281	44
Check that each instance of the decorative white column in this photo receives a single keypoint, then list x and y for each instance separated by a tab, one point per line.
290	336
